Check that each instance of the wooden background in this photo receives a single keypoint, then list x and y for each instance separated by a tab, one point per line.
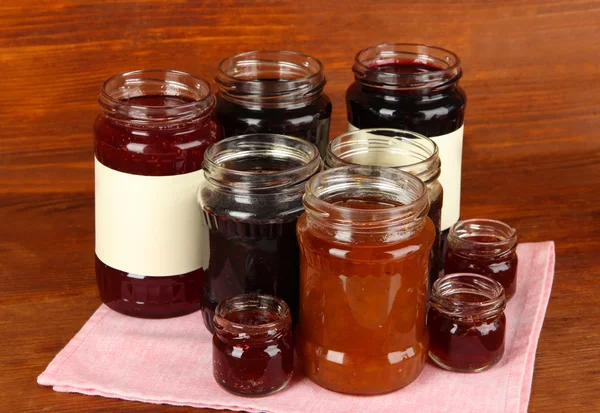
531	156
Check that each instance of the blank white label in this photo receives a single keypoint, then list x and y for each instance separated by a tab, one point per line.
150	225
450	149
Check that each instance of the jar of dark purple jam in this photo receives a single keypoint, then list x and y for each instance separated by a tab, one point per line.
251	200
414	87
149	146
274	92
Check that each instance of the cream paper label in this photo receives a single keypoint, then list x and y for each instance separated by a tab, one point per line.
450	148
150	225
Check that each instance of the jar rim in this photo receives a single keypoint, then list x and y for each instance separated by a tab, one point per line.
463	237
253	301
437	79
418	146
201	91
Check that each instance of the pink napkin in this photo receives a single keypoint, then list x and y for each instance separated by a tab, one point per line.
169	361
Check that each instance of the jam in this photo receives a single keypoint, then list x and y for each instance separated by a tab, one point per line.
146	134
251	203
253	346
274	92
414	88
486	247
363	279
466	322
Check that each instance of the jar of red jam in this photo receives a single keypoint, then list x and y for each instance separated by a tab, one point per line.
365	241
487	247
404	150
252	200
149	144
276	92
414	87
253	345
466	322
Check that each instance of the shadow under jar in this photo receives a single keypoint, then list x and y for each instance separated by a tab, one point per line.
365	240
149	144
404	150
414	87
487	247
466	322
251	200
276	92
253	345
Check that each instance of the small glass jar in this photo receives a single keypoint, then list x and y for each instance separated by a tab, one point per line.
487	247
253	345
276	92
404	150
414	87
365	241
149	144
466	322
251	200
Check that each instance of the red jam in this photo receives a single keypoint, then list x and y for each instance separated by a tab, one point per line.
151	135
253	346
466	329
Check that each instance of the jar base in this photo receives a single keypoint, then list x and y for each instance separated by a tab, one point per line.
255	395
436	360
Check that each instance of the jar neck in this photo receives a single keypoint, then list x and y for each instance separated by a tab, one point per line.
271	79
482	238
240	318
407	68
468	297
156	98
407	151
359	202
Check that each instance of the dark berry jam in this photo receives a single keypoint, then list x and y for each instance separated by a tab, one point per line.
253	347
152	135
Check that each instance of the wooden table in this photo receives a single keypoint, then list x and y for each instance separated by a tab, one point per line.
531	156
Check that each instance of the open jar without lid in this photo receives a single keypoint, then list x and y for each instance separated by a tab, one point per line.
487	247
253	345
466	322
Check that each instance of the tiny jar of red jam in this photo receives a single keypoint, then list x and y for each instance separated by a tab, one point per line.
276	92
414	87
253	345
404	150
487	247
466	322
149	144
365	241
251	201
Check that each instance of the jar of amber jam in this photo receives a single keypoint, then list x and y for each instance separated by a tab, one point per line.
253	345
365	241
274	91
404	150
487	247
149	145
414	87
252	200
466	322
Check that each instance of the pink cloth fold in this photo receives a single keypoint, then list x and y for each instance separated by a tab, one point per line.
169	361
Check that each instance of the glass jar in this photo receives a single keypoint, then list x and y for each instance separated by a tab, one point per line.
252	199
274	91
487	247
466	322
253	345
365	241
149	144
414	87
404	150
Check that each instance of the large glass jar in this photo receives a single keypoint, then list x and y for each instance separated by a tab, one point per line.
365	241
149	145
404	150
414	87
274	91
252	199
